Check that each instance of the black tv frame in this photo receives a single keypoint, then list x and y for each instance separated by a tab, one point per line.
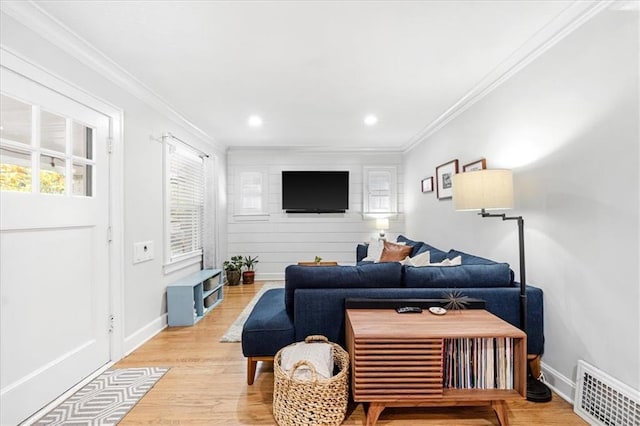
319	174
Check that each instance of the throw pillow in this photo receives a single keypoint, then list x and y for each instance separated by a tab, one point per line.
374	250
456	261
393	252
423	259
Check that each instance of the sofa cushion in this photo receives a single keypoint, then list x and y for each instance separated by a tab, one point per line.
463	276
268	327
374	275
436	254
470	259
394	252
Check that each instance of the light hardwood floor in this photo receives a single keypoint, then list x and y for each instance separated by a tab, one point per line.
207	383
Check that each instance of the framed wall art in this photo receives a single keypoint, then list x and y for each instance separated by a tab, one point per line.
444	179
427	184
476	165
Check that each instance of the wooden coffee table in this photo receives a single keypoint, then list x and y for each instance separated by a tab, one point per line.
404	360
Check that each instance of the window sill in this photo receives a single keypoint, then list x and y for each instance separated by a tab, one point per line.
375	215
177	265
251	217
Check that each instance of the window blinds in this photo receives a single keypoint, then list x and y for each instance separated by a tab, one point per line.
186	202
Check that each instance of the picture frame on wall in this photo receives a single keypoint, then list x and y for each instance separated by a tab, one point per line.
427	184
444	179
476	165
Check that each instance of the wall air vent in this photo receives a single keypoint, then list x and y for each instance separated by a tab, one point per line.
603	400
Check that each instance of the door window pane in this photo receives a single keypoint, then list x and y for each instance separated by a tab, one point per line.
82	137
82	177
52	132
52	175
15	120
15	170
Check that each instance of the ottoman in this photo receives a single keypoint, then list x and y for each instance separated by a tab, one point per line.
267	330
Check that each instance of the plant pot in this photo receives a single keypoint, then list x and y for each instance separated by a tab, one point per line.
233	277
248	277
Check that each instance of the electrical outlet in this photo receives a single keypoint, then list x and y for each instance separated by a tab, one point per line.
142	251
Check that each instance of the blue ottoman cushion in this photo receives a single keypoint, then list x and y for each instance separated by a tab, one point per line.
268	328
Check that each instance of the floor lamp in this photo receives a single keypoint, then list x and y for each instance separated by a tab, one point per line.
493	190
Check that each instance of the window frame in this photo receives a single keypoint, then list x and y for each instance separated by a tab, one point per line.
175	261
367	173
242	213
36	152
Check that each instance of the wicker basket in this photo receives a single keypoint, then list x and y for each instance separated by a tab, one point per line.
316	402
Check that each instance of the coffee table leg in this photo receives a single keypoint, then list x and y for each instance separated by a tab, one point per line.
373	412
500	407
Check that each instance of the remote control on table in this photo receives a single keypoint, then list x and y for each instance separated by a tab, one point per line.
408	310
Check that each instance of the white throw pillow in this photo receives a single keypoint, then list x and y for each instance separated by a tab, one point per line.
456	261
421	259
320	355
374	250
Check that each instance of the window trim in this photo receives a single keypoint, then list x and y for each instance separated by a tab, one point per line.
35	150
250	214
173	262
393	191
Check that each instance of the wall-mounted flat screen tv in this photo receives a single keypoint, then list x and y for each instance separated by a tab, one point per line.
315	191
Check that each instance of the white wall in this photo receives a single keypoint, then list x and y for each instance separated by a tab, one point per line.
144	283
282	239
568	127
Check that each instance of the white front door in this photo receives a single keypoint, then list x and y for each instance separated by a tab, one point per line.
54	249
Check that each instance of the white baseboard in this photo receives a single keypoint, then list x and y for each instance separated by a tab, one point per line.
558	383
137	339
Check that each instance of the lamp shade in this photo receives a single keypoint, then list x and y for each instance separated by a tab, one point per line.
483	189
382	223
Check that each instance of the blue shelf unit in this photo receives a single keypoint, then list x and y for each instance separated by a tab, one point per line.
191	298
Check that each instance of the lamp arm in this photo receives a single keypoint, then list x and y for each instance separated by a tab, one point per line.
523	281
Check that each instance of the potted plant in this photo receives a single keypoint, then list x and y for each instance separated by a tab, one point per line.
249	275
233	269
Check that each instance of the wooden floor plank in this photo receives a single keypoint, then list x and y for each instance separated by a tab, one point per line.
207	384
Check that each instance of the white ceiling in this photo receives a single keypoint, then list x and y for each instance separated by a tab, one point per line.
314	69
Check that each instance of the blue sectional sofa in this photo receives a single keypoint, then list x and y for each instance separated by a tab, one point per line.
313	300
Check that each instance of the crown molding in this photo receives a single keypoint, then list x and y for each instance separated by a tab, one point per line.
31	15
570	19
315	148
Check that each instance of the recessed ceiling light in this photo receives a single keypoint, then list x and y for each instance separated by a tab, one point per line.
255	121
370	120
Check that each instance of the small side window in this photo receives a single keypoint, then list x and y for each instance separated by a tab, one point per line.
380	194
251	187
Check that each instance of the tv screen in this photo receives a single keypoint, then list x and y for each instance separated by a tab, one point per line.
315	191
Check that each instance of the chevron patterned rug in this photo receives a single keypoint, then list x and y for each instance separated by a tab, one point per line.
106	399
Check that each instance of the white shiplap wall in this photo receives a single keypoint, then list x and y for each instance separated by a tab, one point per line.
280	239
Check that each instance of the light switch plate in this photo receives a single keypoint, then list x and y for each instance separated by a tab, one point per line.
142	251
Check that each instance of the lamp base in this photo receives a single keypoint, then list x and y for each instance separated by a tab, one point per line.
537	391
